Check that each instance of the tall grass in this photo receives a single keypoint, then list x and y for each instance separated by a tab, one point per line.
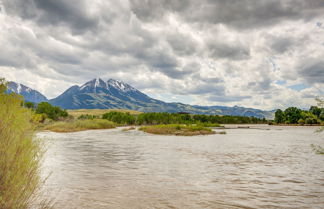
79	125
20	154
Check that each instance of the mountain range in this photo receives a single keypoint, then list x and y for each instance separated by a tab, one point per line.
113	94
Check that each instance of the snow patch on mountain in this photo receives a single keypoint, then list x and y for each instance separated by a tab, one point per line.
19	88
97	82
120	85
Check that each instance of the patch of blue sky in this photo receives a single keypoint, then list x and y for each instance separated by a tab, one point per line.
299	87
281	82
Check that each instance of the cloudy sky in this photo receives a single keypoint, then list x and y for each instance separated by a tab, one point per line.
256	53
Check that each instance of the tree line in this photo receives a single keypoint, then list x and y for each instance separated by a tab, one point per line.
155	118
294	115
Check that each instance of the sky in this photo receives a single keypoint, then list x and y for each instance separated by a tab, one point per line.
263	54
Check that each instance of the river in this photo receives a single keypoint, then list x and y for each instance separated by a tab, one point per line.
267	167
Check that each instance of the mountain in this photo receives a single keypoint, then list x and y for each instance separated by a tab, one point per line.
99	94
28	93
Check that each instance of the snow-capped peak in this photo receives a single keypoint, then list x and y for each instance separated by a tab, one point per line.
95	83
120	85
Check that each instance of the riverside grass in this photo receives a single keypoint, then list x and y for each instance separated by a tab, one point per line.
79	125
99	112
177	129
20	155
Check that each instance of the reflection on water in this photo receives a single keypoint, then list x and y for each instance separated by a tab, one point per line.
246	168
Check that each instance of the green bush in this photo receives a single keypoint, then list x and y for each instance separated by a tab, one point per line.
52	112
29	105
20	153
301	122
88	117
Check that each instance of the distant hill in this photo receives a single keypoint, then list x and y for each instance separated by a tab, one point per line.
28	93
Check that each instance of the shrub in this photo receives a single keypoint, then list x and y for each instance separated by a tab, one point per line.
29	105
52	112
39	118
87	117
311	121
20	153
301	122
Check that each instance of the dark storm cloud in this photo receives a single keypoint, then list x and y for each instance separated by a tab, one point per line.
233	51
25	9
71	13
164	62
181	44
312	71
153	9
239	14
281	45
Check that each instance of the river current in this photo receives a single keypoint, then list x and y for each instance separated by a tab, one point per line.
257	167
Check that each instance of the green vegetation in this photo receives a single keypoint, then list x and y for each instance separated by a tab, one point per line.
294	115
29	105
177	118
52	112
79	125
45	110
88	117
98	112
120	118
176	129
20	154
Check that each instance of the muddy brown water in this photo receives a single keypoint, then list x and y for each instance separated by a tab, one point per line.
267	167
